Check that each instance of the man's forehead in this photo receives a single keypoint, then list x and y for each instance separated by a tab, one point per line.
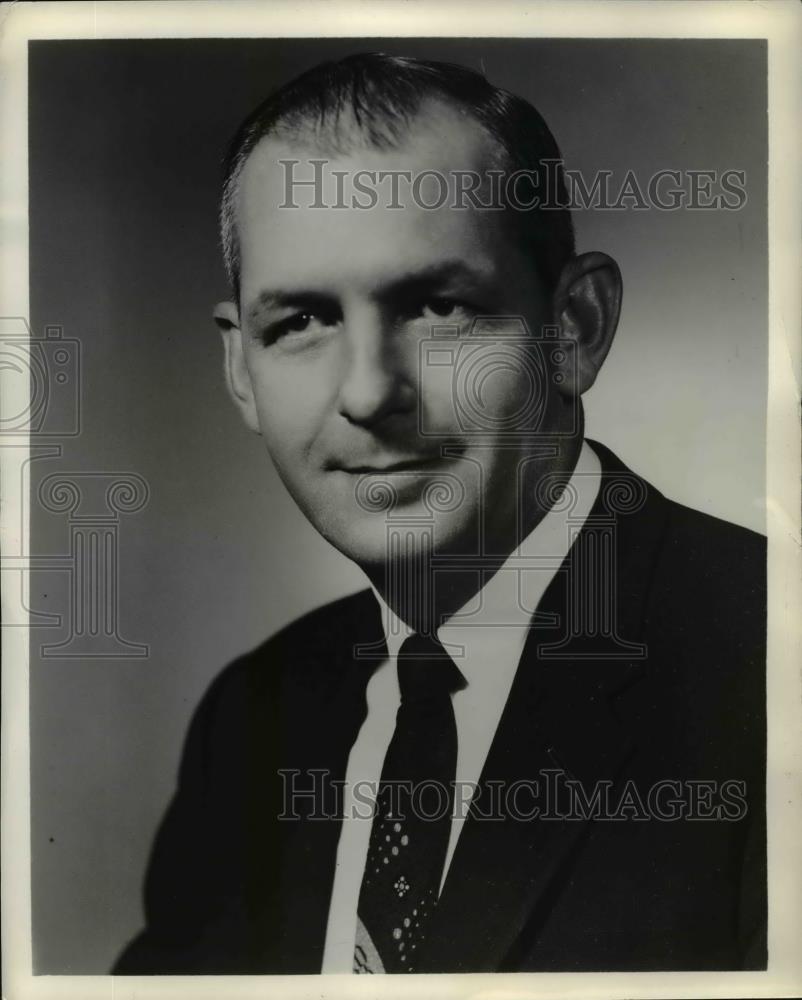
438	137
291	235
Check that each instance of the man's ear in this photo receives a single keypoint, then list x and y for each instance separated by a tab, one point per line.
587	304
238	379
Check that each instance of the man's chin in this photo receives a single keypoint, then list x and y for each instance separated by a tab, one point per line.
410	535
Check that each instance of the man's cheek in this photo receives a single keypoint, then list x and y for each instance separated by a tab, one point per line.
286	450
280	405
438	409
281	425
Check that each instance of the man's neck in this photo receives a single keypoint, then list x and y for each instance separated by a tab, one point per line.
424	591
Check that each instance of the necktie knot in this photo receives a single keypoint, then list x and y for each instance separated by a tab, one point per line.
426	671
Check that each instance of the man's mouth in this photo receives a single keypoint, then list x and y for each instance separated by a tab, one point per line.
422	463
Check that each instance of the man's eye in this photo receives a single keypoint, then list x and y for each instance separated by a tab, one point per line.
443	307
300	322
297	323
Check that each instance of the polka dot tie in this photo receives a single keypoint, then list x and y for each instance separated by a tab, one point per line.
414	806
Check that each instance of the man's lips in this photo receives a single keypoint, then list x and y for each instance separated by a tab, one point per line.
416	464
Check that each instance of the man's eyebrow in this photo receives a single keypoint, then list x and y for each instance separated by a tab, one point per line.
421	279
439	274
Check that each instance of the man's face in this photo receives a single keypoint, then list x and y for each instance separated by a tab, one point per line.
337	310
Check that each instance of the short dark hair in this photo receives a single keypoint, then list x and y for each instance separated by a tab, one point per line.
382	94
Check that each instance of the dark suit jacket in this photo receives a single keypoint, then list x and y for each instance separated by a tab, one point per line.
670	687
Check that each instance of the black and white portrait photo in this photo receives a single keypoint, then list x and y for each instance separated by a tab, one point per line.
394	449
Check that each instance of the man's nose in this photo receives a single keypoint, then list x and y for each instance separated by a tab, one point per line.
374	384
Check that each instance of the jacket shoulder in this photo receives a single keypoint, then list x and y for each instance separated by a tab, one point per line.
704	528
297	655
726	562
324	635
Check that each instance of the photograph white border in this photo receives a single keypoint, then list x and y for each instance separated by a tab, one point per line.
780	23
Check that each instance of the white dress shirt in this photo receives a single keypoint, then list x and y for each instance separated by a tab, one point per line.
485	639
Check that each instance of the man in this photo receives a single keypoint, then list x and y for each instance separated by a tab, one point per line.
554	687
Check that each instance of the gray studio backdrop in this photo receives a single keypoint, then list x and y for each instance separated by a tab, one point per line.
208	551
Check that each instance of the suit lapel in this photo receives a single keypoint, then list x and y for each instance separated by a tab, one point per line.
559	722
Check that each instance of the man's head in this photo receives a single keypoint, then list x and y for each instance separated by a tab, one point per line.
329	338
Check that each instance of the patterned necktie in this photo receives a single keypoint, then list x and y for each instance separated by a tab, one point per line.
412	820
